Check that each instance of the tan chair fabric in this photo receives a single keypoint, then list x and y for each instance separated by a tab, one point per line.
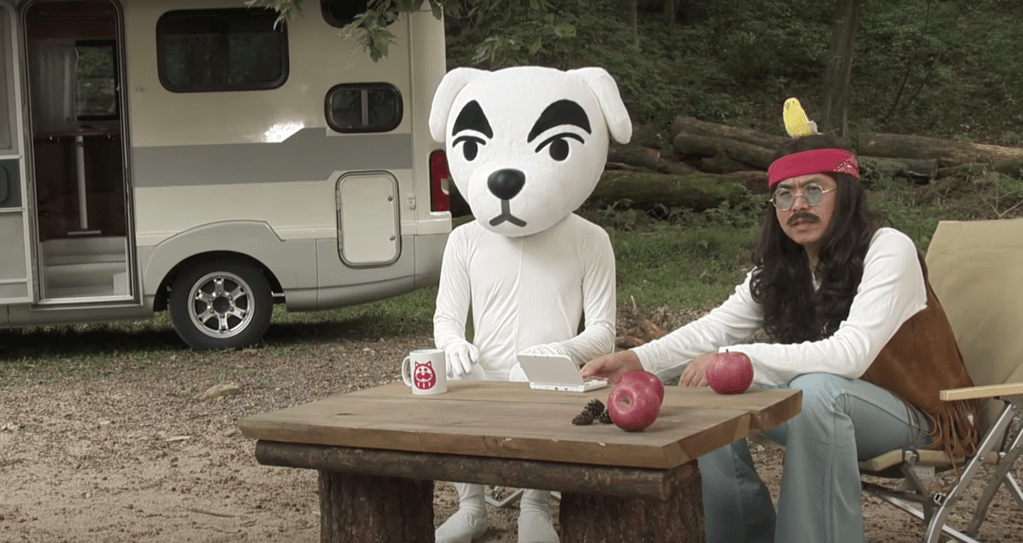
976	270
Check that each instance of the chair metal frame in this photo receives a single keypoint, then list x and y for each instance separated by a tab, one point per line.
1000	447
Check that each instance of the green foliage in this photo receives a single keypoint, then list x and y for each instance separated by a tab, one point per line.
654	78
681	267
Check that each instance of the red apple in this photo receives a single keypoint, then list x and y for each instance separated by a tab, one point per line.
635	402
645	376
730	372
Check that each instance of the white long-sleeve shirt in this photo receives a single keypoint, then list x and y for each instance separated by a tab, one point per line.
528	291
891	291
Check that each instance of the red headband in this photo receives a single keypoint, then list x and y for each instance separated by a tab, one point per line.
812	161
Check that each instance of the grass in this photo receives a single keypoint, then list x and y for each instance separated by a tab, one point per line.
681	266
691	262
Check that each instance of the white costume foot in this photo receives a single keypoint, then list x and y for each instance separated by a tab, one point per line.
535	522
469	521
462	527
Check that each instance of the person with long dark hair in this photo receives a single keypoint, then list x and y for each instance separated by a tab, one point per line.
852	322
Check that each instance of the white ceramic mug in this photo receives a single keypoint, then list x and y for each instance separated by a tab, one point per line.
424	371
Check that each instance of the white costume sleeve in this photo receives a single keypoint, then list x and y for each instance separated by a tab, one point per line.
599	302
891	291
452	310
733	321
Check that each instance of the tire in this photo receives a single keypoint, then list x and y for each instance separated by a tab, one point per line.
221	304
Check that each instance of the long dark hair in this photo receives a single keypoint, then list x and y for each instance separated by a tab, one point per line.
782	282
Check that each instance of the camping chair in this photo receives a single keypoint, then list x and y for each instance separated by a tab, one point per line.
976	270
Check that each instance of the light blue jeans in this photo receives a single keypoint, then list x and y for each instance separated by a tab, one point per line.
841	422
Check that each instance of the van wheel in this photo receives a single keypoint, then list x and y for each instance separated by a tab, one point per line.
221	305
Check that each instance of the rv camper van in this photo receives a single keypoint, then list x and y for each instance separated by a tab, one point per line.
196	157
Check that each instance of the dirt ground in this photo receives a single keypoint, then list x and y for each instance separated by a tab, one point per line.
117	443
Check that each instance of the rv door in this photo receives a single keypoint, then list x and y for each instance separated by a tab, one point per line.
16	263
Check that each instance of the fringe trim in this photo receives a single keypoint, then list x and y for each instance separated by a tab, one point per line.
952	432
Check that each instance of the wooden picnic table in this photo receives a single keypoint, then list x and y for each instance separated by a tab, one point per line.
378	452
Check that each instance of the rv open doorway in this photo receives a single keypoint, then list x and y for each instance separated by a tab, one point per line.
78	151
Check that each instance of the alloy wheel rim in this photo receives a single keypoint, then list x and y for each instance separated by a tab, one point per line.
220	305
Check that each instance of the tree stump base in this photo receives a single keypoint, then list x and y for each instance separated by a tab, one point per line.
368	509
590	518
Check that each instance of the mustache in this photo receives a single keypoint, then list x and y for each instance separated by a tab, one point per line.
804	216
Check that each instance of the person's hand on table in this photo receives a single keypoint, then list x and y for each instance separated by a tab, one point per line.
695	373
610	367
460	357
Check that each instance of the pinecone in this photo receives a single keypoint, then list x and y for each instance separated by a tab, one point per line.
595	407
583	418
605	417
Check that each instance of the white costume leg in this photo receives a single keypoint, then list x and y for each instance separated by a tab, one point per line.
535	522
469	521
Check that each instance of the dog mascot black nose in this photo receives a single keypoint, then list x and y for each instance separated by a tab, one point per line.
505	184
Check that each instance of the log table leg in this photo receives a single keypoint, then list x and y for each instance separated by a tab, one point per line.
592	518
374	509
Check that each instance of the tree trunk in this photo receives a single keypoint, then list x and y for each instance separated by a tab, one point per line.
839	72
367	509
628	11
588	518
670	8
697	191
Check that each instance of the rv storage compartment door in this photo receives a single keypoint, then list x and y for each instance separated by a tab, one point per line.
15	268
367	209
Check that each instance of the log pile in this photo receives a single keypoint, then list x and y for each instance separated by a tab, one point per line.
706	164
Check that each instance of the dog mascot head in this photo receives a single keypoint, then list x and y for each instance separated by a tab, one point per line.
526	145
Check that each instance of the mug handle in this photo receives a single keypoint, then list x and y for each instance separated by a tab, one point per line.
406	370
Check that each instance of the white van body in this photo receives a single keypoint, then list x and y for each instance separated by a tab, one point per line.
184	155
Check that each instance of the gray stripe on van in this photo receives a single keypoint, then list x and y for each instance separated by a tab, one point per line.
306	156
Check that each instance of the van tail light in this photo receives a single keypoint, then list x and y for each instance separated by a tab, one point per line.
439	182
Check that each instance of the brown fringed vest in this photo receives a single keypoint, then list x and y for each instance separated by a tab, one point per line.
921	360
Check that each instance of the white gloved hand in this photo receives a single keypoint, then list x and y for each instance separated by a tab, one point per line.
460	357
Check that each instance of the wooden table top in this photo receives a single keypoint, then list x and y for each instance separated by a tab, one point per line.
510	420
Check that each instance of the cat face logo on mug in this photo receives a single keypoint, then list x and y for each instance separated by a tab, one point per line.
424	376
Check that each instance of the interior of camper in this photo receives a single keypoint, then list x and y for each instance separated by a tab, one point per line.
78	149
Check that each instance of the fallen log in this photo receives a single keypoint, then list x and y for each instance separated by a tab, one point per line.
637	155
909	168
739	151
696	127
647	191
946	152
1011	167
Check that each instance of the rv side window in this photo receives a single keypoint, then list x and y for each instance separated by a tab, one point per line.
342	12
221	50
364	107
96	81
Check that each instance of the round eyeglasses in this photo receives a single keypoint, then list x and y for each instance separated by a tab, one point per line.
812	194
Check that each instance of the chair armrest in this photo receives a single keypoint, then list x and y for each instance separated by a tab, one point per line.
986	391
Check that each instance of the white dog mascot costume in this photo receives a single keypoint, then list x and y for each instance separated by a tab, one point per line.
525	147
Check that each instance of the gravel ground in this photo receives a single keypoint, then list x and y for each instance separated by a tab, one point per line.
117	442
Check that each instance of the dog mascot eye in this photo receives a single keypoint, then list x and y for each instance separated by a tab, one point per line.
470	146
559	145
